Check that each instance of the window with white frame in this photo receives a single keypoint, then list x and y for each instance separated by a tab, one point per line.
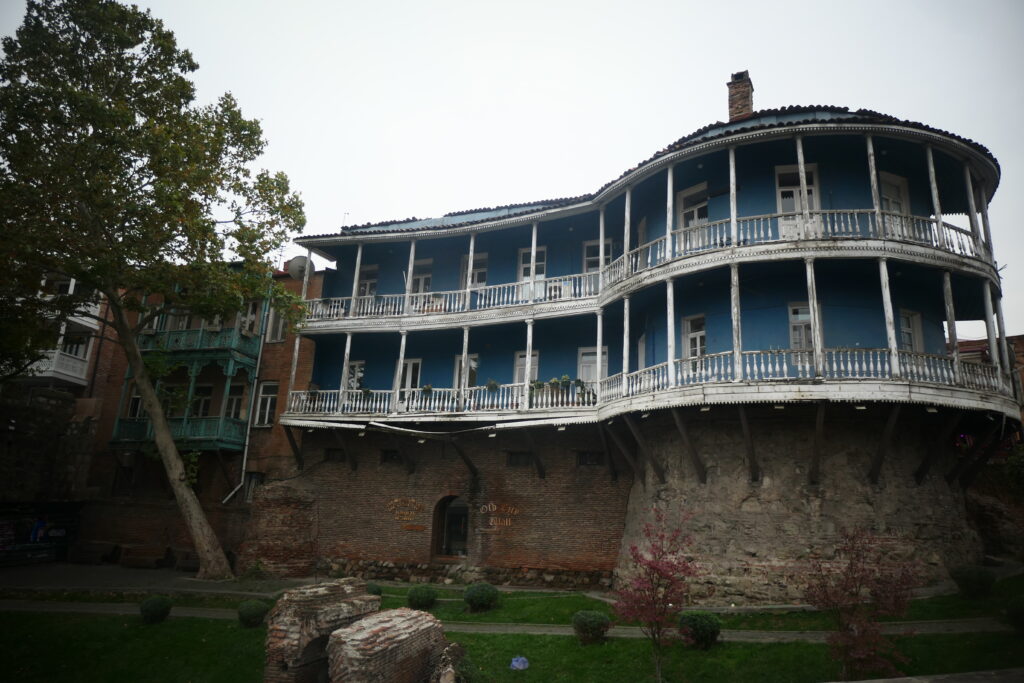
234	406
250	322
266	404
519	375
893	193
911	338
367	281
695	342
472	362
787	182
75	344
276	326
592	255
202	401
524	263
478	278
692	206
586	364
134	408
421	276
800	327
355	374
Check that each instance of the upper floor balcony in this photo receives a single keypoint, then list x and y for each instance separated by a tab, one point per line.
206	339
200	433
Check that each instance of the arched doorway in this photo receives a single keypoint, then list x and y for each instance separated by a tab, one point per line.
451	526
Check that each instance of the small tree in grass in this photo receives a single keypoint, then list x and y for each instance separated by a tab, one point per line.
655	587
865	582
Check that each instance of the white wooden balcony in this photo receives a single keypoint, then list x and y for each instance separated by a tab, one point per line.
62	366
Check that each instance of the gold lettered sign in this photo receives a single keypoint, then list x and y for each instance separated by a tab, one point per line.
498	515
404	509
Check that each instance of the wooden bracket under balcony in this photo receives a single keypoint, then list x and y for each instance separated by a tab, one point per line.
465	458
648	454
940	448
981	446
535	454
607	453
403	455
300	462
688	447
627	454
752	464
883	445
349	455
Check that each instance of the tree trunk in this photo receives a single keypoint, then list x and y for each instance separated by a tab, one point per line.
213	564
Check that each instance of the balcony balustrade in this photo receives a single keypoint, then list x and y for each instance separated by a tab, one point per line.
60	363
201	339
862	224
224	431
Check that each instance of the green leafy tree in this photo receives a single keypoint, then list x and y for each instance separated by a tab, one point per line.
112	174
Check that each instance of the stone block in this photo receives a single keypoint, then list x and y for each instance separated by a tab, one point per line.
398	646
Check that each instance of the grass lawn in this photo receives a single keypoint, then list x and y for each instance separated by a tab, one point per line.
558	658
88	648
514	608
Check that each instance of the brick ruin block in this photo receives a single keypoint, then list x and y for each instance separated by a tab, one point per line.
399	646
301	622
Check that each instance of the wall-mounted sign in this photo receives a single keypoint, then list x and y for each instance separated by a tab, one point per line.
404	509
498	515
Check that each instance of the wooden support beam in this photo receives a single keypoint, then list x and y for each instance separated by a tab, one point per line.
627	453
407	460
684	434
748	442
974	467
883	444
814	475
296	451
980	446
535	454
940	448
349	455
607	453
648	454
465	458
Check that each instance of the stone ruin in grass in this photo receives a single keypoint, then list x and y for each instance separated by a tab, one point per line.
334	631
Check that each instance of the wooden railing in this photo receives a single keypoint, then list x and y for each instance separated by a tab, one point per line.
926	367
563	395
647	380
222	429
199	339
64	363
778	364
694	239
707	369
856	364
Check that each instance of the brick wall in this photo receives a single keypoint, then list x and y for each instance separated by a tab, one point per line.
398	646
382	517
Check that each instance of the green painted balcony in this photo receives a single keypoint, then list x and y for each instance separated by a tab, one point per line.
199	433
201	340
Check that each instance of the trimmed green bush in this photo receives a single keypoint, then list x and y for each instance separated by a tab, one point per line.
421	597
481	597
374	589
702	628
973	581
251	613
590	626
1015	613
155	609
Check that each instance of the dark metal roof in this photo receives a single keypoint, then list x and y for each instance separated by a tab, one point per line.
765	119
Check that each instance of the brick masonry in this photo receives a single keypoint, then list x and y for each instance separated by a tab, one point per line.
398	646
300	623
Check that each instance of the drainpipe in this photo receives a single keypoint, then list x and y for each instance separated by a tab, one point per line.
252	395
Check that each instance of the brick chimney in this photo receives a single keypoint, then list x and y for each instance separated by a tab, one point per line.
741	96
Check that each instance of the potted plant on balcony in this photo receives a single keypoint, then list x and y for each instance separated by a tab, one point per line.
427	389
492	385
565	382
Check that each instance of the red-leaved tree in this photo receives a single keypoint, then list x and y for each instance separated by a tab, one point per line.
655	587
864	583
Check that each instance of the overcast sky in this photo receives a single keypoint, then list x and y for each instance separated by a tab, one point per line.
385	109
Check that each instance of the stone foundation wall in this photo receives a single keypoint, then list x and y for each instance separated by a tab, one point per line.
398	646
752	539
465	574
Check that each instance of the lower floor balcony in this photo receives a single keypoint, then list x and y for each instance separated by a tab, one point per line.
63	366
755	372
200	433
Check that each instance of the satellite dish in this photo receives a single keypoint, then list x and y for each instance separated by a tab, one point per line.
297	267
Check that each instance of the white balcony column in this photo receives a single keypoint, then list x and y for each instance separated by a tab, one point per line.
670	314
972	210
947	295
802	170
343	386
298	336
737	335
600	250
626	228
625	339
983	205
408	275
1003	351
817	338
464	375
936	205
670	212
890	319
528	366
355	276
990	328
600	353
876	196
533	262
734	224
469	267
396	385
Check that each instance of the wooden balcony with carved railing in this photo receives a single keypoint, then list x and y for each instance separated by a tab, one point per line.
837	227
201	340
61	366
787	370
201	433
